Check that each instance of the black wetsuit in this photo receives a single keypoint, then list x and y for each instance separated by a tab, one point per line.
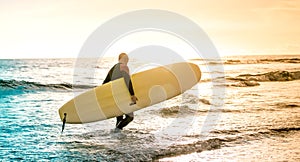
113	74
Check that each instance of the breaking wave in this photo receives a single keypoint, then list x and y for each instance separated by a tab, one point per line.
177	110
246	84
14	86
270	76
291	60
286	105
248	80
263	61
182	111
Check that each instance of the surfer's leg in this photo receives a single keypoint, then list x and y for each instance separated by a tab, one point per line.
119	119
126	121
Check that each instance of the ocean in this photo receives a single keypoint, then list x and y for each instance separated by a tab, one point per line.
248	112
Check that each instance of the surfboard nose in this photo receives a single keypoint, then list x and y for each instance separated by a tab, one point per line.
196	70
187	74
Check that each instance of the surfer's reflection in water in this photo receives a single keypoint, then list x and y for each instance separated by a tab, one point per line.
120	70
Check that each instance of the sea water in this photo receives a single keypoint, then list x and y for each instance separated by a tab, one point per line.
257	118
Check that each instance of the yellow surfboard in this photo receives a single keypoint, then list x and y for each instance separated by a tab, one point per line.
113	99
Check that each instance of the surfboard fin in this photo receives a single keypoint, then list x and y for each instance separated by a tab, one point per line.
64	122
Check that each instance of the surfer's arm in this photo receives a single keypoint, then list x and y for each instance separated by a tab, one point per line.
107	79
131	91
109	74
130	88
126	75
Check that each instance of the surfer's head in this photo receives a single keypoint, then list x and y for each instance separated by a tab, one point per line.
123	58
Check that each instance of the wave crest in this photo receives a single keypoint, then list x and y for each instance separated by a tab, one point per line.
270	76
15	86
262	61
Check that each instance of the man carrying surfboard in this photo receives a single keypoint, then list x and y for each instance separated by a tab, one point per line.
120	70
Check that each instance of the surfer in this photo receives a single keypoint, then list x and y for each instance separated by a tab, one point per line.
120	70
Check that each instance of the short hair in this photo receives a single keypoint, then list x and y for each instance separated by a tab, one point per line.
122	55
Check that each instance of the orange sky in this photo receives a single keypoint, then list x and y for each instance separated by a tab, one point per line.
53	28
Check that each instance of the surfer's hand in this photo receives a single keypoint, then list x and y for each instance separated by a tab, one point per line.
133	99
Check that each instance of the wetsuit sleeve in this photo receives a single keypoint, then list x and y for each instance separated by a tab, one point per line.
127	79
109	75
115	73
107	79
130	88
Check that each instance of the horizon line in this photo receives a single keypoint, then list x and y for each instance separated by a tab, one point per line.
266	54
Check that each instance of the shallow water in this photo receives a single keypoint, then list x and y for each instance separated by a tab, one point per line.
250	123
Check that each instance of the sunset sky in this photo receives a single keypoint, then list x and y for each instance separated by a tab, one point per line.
53	28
